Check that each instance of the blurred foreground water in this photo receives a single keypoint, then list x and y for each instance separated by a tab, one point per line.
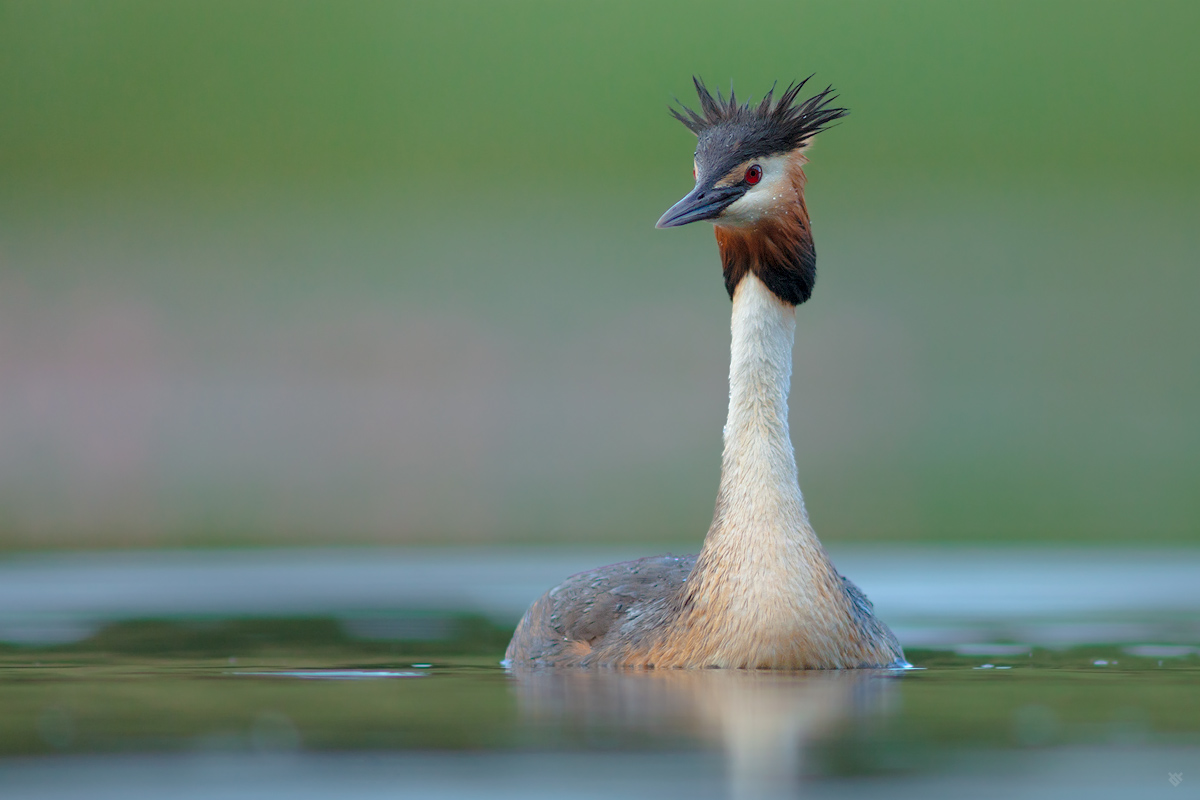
373	673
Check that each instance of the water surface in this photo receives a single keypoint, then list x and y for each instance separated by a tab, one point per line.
1096	695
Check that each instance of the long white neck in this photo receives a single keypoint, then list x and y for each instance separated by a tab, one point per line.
762	592
758	467
760	532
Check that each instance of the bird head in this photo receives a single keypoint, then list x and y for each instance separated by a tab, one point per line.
750	183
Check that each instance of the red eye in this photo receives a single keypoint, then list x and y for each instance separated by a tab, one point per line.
754	174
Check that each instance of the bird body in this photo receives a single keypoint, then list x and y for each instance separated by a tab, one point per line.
762	593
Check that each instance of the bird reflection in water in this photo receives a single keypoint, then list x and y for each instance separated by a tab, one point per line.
763	720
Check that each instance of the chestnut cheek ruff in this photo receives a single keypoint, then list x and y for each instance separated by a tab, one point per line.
778	250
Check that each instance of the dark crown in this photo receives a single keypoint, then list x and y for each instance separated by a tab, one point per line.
765	129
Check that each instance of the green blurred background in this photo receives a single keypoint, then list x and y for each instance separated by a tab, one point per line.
319	272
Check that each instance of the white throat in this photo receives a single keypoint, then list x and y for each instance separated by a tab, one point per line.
762	591
758	469
760	523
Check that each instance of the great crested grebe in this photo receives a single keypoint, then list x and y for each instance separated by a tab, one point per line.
762	593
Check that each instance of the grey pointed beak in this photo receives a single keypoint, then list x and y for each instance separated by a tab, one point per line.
700	203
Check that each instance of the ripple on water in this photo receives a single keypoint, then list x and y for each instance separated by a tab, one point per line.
331	674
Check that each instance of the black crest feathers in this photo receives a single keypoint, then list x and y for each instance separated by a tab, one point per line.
770	127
